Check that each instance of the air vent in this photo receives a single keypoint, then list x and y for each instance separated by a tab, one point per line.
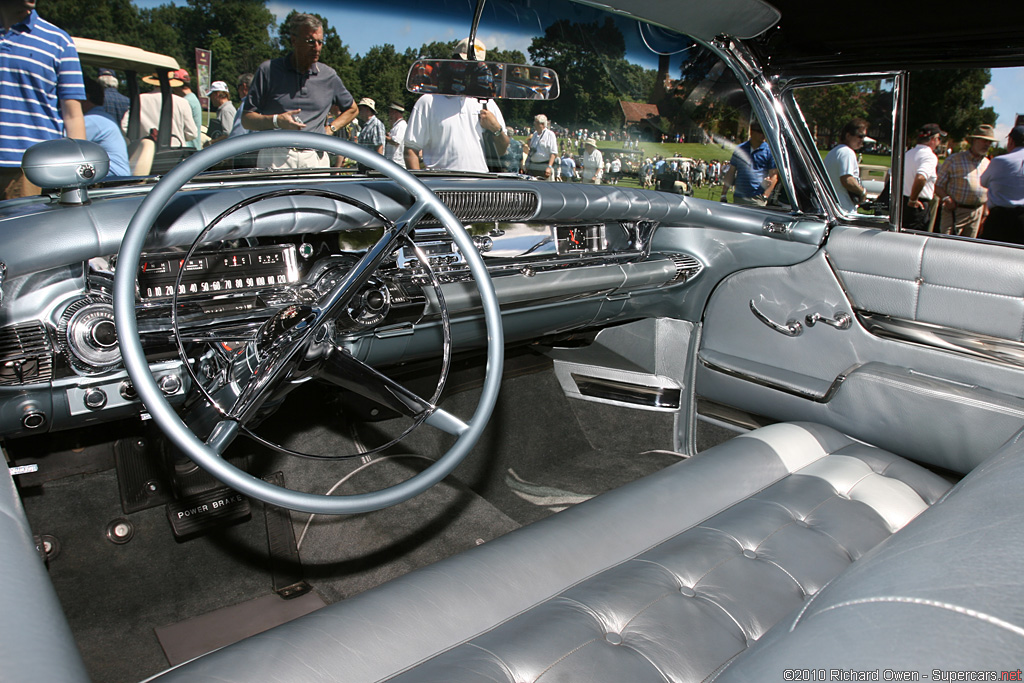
686	267
25	356
491	205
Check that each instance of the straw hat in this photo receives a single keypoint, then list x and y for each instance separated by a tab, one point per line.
153	79
984	132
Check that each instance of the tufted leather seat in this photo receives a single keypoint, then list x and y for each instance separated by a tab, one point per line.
669	577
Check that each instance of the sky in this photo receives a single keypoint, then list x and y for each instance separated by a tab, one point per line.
361	30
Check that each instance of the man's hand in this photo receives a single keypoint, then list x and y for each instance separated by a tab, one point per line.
286	121
489	121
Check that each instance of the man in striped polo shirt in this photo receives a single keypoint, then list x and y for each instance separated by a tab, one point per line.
40	88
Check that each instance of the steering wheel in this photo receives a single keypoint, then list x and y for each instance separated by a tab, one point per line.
280	354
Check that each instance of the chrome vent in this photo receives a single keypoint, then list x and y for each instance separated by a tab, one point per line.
490	205
25	355
686	267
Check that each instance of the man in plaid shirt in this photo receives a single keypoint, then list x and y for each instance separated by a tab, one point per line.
959	185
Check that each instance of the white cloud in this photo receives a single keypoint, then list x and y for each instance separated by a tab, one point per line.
507	41
990	95
280	10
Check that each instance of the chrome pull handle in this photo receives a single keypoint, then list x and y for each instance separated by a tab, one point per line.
776	228
791	329
841	321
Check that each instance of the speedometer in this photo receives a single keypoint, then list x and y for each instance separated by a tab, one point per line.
217	272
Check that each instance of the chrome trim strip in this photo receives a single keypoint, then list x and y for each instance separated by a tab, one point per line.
817	398
627	392
974	344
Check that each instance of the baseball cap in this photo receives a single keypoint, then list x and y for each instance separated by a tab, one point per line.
1017	135
462	49
181	75
930	129
218	86
107	72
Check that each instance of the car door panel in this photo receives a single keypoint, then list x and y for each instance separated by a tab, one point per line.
919	394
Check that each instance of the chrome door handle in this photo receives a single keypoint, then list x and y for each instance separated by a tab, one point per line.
841	321
791	329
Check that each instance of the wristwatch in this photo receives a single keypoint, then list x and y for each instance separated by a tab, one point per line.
275	122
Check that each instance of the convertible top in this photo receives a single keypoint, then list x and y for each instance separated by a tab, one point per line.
900	36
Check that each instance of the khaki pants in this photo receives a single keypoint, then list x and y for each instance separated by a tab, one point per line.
962	221
751	201
286	158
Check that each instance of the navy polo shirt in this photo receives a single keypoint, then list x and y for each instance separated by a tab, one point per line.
751	168
38	69
278	87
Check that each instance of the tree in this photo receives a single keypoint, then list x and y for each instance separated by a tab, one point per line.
950	97
116	21
382	75
828	108
585	57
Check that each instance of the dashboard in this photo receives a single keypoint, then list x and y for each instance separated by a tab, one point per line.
62	368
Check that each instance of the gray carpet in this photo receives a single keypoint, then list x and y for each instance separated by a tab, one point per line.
539	453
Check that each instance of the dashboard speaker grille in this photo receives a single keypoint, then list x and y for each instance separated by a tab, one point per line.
25	355
494	205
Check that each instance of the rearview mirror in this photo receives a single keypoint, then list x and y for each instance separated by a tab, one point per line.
482	79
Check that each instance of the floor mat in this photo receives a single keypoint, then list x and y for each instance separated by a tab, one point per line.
208	632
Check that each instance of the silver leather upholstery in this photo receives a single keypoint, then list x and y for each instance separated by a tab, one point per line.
37	643
670	577
945	594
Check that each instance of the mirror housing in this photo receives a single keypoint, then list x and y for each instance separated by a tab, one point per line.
66	164
488	80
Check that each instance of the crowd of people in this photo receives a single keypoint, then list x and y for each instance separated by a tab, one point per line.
968	195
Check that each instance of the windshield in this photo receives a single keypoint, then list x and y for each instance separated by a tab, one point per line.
636	105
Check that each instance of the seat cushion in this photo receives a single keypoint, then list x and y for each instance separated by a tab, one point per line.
670	577
945	594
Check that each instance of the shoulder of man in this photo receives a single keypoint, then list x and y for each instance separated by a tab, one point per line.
37	22
325	71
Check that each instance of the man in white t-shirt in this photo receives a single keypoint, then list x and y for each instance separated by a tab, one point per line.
843	168
395	149
593	162
543	154
449	130
920	170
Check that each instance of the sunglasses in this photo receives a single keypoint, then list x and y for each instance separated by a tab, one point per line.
313	41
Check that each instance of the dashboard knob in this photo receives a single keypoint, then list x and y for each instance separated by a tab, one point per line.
374	300
127	390
169	384
104	334
95	398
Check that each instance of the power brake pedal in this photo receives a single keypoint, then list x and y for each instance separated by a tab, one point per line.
203	512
